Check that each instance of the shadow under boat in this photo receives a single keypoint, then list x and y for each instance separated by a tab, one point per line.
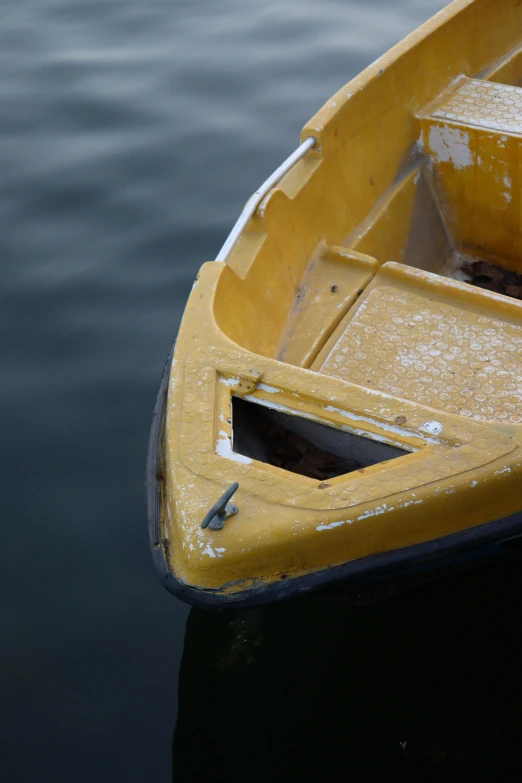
426	685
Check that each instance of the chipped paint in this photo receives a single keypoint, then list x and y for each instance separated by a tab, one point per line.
363	433
224	449
376	511
431	427
391	428
507	184
269	389
411	503
228	381
450	145
335	524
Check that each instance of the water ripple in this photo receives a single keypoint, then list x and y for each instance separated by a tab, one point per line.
131	135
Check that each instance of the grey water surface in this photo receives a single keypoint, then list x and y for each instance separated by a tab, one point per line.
131	133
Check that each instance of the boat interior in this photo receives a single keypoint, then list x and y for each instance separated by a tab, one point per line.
454	200
432	187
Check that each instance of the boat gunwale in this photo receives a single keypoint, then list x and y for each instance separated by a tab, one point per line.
332	107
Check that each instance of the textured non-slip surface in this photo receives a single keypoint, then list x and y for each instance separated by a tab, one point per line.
484	104
419	349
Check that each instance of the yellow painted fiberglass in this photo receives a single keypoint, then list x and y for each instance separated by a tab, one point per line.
344	400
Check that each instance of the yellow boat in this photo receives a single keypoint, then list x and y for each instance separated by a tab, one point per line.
344	399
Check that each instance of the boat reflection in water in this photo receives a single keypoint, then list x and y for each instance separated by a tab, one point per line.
426	684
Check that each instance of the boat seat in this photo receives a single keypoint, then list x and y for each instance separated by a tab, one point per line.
471	136
487	105
424	338
334	279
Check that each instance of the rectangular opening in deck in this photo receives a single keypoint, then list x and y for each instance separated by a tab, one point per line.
302	446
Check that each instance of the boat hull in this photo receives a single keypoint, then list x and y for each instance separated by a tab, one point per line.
392	571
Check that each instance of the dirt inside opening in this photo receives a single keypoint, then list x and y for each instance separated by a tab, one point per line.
490	277
302	446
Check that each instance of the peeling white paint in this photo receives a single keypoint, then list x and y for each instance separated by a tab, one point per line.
229	381
335	524
209	551
371	513
376	511
269	389
391	428
431	427
450	145
224	449
356	417
354	430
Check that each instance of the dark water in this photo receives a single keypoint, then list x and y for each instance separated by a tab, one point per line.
131	134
